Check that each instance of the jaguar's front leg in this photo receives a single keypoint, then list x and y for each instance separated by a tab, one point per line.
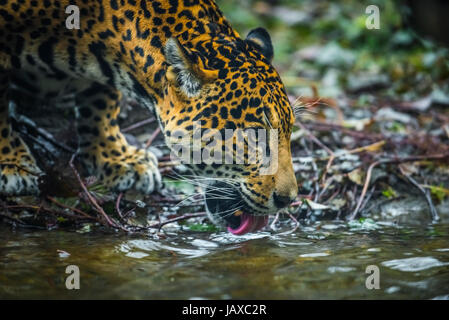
103	148
19	173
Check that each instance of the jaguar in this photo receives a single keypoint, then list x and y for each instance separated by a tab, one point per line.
181	59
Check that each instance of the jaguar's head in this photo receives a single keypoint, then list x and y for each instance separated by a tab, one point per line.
228	117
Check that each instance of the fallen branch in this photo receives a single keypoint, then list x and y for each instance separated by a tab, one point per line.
391	161
314	138
426	193
51	199
138	125
20	222
91	199
297	224
177	219
39	208
117	205
152	137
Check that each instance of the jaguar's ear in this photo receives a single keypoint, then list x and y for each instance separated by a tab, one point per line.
262	41
184	69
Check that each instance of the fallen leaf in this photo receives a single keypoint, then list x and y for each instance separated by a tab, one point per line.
357	176
316	206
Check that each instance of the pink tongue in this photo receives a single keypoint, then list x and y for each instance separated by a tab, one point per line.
249	223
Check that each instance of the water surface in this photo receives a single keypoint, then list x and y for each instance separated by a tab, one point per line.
326	260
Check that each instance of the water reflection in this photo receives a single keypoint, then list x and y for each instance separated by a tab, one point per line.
322	261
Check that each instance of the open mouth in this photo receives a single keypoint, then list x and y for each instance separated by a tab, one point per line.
248	223
225	201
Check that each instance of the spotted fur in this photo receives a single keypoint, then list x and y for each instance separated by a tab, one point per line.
180	58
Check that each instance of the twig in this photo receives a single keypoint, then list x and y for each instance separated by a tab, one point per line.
119	212
125	216
314	138
337	192
138	124
367	198
183	217
391	161
152	137
20	222
84	214
433	210
322	145
38	208
91	198
297	224
276	218
23	206
326	170
117	205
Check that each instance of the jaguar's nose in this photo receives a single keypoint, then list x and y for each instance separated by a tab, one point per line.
281	201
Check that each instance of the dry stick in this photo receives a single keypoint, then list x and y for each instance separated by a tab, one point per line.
328	165
84	214
295	221
297	224
152	137
391	161
117	205
138	125
91	198
314	138
119	212
322	145
38	208
125	216
276	218
326	187
368	198
21	223
337	192
24	206
183	217
433	211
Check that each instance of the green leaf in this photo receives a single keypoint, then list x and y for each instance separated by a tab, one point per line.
439	192
389	193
